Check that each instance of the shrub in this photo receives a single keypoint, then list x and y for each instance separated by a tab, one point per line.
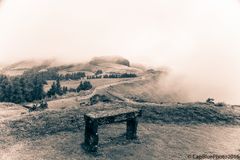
210	100
99	98
220	104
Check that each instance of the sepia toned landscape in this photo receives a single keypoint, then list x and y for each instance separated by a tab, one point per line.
168	128
119	80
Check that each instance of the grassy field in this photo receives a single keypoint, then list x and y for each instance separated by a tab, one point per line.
74	99
149	90
170	131
9	110
155	142
167	129
94	82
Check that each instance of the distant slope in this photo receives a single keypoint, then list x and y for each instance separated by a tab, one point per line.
107	64
151	89
19	67
110	59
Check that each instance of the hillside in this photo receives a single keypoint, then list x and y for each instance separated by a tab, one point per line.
168	128
19	67
108	64
58	134
110	59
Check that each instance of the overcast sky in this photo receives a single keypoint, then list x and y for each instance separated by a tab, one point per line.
199	38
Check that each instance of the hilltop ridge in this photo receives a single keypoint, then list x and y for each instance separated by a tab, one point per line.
109	63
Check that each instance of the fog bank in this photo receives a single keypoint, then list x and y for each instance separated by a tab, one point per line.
198	40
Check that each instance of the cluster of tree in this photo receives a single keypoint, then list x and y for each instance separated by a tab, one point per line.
52	74
117	75
94	77
25	88
43	74
124	75
72	76
56	88
29	86
83	86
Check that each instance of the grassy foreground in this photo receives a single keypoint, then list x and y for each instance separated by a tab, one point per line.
169	131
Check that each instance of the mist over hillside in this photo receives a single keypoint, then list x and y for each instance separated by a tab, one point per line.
191	84
169	69
195	39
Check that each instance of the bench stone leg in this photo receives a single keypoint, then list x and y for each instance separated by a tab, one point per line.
132	128
91	135
87	132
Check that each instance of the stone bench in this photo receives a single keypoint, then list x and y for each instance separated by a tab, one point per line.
94	119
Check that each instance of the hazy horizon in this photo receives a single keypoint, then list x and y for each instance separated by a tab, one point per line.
198	40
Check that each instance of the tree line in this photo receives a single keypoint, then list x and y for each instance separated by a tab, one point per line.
52	74
99	74
29	88
21	89
72	76
124	75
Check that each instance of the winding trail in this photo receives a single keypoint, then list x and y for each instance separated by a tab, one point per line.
74	100
110	85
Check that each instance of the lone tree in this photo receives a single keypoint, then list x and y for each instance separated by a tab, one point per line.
52	90
55	89
59	90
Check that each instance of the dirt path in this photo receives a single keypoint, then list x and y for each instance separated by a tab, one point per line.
156	141
75	100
